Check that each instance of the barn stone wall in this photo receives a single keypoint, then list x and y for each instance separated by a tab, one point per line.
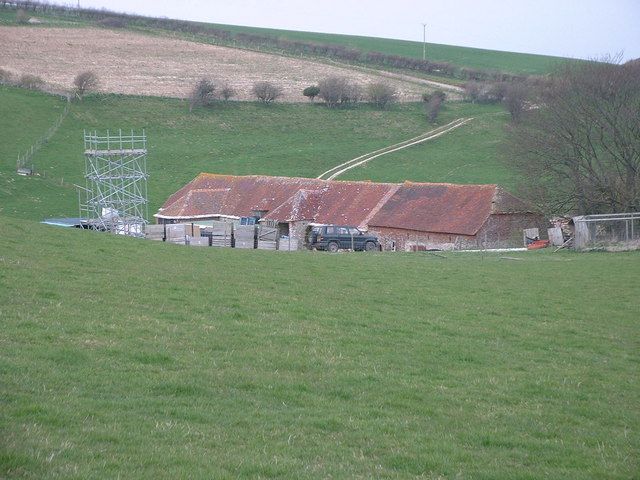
408	240
506	230
499	231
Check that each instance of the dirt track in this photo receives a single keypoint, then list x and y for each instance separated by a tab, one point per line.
131	63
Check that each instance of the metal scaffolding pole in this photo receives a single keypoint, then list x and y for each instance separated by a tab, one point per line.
116	182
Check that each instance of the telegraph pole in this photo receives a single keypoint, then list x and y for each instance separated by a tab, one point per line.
424	41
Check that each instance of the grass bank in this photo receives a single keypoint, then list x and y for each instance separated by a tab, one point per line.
239	138
137	359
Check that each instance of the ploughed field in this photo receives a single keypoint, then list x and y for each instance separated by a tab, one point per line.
132	63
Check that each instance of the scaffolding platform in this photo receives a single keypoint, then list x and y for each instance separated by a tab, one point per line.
116	182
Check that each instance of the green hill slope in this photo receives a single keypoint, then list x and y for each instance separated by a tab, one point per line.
520	63
237	138
243	364
467	57
469	154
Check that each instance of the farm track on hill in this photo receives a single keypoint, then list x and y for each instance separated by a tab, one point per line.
169	67
332	173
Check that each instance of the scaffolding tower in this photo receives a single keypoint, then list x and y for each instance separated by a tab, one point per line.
116	182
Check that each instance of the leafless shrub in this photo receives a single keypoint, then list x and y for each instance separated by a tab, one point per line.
266	92
381	94
84	82
32	82
6	77
112	22
331	90
352	94
433	106
202	94
339	91
22	17
515	99
472	91
495	92
485	92
227	92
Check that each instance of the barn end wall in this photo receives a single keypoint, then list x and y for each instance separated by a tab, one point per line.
505	230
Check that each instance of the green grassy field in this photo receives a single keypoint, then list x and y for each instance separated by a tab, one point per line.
238	138
469	154
519	63
522	63
121	358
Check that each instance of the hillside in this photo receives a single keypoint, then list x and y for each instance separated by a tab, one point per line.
125	358
169	67
236	138
459	56
495	60
246	364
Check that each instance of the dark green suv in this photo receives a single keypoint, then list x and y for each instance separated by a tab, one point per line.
335	237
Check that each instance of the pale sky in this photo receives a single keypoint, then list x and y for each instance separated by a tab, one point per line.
566	28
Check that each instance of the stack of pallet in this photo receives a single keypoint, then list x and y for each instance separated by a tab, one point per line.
244	236
154	232
199	242
180	233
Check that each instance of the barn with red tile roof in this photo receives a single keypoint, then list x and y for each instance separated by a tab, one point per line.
405	216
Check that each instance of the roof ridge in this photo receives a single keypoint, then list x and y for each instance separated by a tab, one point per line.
381	203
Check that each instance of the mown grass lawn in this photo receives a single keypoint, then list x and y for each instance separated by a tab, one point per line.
240	138
132	359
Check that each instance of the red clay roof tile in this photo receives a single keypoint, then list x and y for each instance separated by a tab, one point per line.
427	207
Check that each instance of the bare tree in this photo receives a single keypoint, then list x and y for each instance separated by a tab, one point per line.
472	91
515	99
339	91
433	108
112	22
433	103
202	94
6	77
22	17
226	92
351	95
266	92
381	94
579	148
32	82
331	90
84	82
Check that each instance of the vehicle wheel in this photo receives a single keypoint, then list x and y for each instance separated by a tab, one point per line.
332	247
370	247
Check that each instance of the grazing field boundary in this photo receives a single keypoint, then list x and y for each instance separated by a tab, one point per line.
430	135
25	160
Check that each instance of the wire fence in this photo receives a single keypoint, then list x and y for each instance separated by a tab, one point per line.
618	231
24	164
